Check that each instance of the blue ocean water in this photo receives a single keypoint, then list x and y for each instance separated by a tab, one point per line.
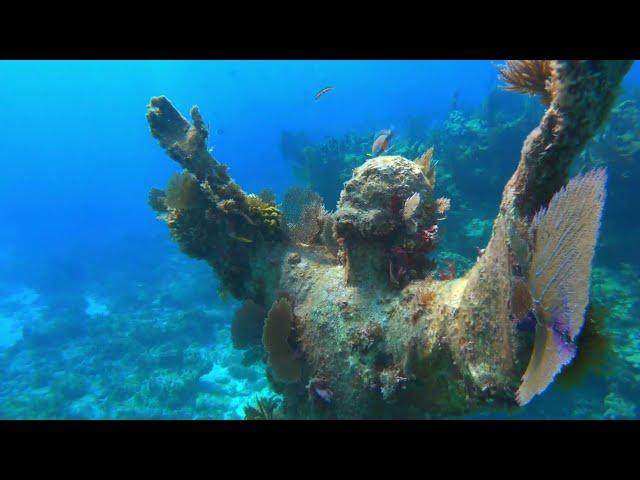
101	315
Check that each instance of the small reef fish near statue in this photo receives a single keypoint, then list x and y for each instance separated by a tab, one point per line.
322	92
381	142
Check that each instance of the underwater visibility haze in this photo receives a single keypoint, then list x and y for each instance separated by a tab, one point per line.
320	239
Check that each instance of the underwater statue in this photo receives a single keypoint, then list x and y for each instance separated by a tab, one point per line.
352	322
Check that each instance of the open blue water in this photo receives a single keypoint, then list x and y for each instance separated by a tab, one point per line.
86	270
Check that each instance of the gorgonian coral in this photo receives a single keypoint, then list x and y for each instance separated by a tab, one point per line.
564	236
295	200
307	230
284	365
247	324
183	191
595	349
532	77
157	200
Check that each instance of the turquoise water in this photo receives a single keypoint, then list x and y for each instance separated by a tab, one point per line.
101	315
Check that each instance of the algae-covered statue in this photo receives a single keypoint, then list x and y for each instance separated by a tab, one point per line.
352	323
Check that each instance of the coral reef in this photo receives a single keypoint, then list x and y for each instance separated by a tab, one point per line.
456	350
296	199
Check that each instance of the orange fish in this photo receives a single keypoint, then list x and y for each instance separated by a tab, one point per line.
381	141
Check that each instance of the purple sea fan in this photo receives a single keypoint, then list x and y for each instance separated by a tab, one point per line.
565	236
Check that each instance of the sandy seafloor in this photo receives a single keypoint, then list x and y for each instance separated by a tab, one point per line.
158	349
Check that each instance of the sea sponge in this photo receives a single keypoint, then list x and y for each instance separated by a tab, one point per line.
285	367
247	325
183	192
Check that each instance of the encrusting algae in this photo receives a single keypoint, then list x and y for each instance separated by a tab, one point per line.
359	325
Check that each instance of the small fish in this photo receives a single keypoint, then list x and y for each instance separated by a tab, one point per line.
239	238
381	141
218	131
322	92
244	239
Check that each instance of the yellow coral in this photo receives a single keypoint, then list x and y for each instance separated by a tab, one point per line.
267	213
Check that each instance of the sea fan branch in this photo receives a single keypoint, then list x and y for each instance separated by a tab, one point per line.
565	236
